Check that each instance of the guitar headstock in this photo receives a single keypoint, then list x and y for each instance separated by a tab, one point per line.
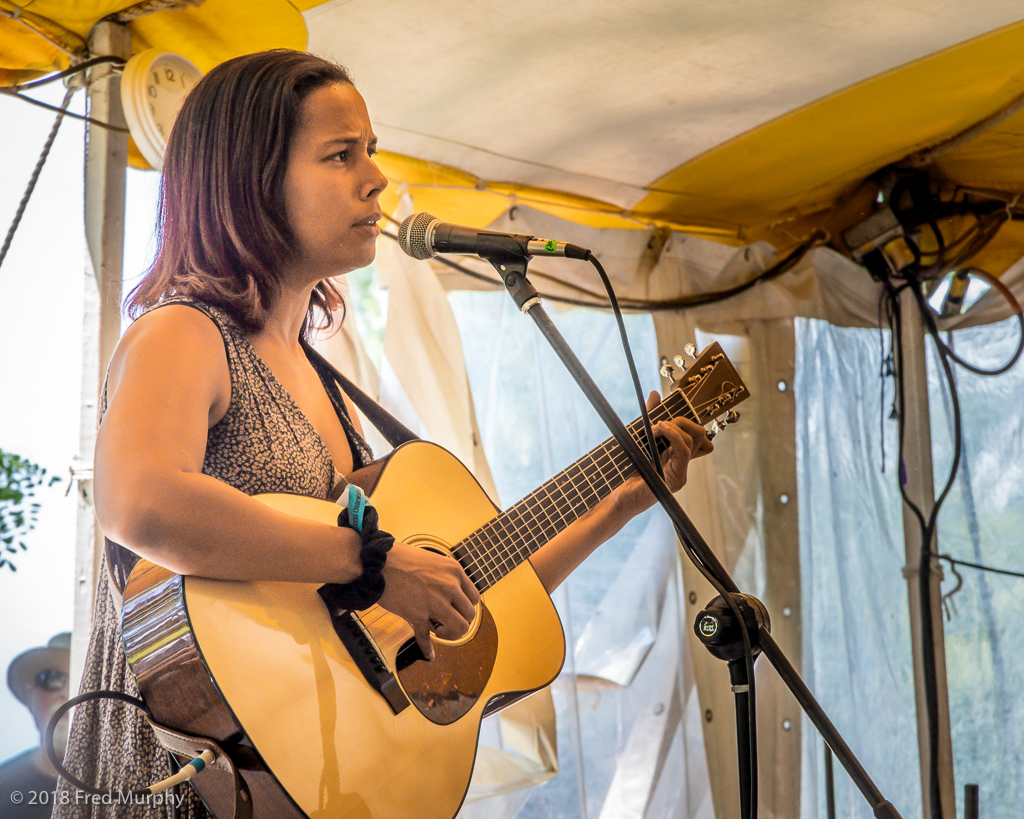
710	386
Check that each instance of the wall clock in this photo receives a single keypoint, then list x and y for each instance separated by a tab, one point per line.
153	86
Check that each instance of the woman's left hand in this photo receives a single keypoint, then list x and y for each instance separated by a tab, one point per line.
687	440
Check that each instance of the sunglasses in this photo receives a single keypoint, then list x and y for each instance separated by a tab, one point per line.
51	680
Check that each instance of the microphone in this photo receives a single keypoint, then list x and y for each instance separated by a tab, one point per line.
422	236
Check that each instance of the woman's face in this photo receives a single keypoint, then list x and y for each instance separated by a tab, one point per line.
331	184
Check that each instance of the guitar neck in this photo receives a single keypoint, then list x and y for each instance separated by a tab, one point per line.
502	544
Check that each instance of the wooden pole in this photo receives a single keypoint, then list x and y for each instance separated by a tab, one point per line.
106	164
920	488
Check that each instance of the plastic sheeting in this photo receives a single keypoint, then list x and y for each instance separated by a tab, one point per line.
857	656
629	726
857	638
981	522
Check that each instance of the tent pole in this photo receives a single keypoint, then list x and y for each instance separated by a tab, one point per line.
920	488
780	726
106	162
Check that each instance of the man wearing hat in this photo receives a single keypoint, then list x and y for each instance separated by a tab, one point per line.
39	679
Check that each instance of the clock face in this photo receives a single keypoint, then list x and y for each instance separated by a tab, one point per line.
153	87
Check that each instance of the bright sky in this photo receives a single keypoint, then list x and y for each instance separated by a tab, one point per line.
40	365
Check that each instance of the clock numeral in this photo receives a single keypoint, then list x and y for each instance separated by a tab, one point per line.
152	90
156	78
160	128
152	109
169	73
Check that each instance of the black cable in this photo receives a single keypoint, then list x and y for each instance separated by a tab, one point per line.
885	369
663	305
49	107
645	417
35	176
58	763
980	566
748	653
932	328
989	218
928	527
1007	294
999	371
175	766
924	576
896	339
715	296
75	69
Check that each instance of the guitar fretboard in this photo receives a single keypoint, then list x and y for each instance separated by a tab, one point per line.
502	544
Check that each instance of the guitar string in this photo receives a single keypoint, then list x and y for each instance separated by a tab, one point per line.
496	542
586	469
601	461
558	501
513	526
597	463
616	459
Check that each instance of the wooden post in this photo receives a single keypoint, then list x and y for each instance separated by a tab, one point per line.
920	488
106	163
780	719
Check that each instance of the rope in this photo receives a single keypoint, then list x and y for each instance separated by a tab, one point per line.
151	7
35	176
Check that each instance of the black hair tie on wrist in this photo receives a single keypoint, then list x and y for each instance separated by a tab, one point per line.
368	588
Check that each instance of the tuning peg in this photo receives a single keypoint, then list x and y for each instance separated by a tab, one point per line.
717	426
668	371
690	350
680	362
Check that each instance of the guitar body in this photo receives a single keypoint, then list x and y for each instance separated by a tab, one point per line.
259	665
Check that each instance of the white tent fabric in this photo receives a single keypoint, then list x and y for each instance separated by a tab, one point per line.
857	654
600	98
422	344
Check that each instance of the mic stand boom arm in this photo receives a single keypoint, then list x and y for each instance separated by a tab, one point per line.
512	268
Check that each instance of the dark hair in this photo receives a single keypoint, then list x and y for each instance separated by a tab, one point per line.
223	233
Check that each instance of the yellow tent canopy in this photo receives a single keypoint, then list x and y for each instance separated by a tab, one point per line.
796	167
45	35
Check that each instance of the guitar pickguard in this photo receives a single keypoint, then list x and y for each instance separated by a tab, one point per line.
447	687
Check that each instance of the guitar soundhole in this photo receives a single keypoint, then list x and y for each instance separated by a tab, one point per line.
447	687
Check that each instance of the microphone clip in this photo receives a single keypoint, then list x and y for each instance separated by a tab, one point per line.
512	269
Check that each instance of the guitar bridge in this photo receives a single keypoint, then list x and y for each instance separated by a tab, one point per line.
364	652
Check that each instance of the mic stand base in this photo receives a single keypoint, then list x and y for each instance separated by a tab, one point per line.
717	628
741	690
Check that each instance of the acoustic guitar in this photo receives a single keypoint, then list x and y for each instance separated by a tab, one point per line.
333	713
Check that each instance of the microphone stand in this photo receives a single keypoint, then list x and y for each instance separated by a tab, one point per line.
718	626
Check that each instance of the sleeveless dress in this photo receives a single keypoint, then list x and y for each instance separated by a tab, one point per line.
263	443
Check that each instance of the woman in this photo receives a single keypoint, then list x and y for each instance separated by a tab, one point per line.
269	191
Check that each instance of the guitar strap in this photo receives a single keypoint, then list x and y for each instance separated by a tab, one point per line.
393	430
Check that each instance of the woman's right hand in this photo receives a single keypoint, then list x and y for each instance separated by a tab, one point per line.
430	592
